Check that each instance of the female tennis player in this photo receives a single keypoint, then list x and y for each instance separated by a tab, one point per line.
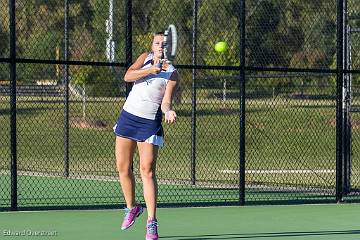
139	125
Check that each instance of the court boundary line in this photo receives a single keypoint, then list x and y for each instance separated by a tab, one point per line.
277	171
208	184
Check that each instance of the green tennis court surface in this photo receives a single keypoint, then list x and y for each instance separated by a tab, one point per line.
254	222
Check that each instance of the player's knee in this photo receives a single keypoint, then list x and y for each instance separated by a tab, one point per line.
146	171
123	169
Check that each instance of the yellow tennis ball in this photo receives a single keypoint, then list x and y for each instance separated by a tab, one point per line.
221	46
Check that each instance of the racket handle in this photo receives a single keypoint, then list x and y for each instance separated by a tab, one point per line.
158	65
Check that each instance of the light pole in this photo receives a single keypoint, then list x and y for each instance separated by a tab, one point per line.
110	44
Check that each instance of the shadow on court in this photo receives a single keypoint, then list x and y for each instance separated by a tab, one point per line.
262	235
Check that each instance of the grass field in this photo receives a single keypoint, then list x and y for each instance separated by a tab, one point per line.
289	142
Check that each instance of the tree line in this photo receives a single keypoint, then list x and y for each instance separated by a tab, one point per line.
293	33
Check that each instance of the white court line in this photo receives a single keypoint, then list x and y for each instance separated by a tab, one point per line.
284	171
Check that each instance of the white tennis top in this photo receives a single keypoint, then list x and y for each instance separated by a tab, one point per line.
147	93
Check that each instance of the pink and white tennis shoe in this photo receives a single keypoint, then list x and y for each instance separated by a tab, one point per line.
151	230
130	216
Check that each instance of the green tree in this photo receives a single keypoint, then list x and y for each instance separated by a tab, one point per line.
4	29
218	22
4	43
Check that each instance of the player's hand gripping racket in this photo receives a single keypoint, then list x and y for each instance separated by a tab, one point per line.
170	44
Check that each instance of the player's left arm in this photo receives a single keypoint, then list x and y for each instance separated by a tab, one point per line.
171	86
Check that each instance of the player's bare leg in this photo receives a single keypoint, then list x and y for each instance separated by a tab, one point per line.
148	154
124	152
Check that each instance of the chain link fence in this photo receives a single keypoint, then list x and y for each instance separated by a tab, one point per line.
71	57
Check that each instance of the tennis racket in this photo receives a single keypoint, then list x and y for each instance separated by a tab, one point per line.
170	44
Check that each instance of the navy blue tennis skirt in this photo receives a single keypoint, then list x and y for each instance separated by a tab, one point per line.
137	128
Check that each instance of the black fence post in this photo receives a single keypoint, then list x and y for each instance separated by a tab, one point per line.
128	40
66	88
13	140
340	101
193	93
347	108
242	104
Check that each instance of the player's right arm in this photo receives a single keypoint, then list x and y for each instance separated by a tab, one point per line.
135	72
